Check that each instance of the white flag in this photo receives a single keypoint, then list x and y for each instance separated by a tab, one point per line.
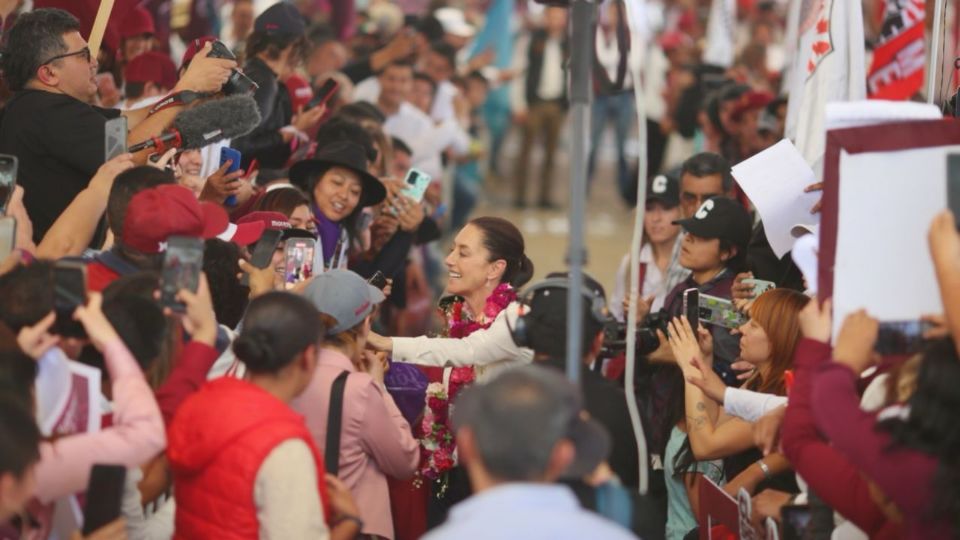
721	49
829	66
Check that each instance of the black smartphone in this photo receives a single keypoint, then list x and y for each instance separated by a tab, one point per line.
900	337
953	185
114	137
794	518
8	236
8	179
691	308
263	251
69	292
378	280
104	496
324	93
182	264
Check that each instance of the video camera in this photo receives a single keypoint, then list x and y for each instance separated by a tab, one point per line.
615	335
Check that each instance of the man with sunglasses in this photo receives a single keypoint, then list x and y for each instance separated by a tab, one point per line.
50	124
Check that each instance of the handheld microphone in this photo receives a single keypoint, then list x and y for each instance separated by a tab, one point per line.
205	124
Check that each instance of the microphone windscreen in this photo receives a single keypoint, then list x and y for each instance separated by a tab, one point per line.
213	121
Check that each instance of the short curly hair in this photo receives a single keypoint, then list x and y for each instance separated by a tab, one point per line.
36	36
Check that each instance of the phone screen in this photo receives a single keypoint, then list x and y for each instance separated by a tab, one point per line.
69	292
953	185
415	184
795	520
114	137
298	260
324	93
182	264
8	178
104	496
8	236
691	307
900	337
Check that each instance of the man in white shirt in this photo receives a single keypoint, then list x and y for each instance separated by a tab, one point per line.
515	436
539	100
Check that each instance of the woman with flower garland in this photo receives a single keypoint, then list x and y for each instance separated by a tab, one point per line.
486	265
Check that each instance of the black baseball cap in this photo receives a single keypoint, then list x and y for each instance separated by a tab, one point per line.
280	18
723	218
665	188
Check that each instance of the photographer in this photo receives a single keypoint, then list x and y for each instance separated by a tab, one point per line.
274	50
49	125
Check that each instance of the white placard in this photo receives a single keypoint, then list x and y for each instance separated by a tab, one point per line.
774	180
886	203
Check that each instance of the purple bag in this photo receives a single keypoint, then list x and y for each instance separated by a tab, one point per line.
408	386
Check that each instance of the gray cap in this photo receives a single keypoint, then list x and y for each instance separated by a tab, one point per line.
343	295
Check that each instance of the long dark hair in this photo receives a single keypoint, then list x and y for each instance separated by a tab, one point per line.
278	326
931	426
504	241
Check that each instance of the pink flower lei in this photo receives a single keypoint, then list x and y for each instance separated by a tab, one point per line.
438	451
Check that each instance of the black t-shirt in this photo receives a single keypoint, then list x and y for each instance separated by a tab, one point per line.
58	141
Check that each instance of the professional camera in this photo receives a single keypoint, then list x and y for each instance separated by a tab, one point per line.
615	336
238	83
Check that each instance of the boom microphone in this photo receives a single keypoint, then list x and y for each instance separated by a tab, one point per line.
207	123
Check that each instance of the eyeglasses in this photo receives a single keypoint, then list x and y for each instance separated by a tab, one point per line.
85	52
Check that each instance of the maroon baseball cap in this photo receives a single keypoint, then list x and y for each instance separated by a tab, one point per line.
156	214
137	23
250	227
151	67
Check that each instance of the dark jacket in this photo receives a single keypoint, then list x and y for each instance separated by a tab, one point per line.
607	403
264	143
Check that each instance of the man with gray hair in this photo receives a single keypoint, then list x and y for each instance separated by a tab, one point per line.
516	435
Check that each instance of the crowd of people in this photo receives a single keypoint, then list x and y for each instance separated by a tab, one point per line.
253	339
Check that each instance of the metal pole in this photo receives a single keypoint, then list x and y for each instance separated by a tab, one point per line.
581	44
934	69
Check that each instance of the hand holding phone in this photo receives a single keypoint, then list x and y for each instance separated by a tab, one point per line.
234	157
263	252
182	264
299	261
324	93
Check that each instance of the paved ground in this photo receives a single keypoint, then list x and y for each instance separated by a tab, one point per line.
609	221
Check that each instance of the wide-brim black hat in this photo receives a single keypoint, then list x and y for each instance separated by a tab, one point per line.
339	154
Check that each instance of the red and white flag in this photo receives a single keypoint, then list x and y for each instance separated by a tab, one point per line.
828	66
898	60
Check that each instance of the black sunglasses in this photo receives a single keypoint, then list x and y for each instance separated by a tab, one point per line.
85	52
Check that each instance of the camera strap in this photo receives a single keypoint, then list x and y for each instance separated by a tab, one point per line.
178	99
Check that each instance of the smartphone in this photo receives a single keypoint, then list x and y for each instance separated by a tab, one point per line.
182	264
720	311
8	180
298	260
760	286
234	156
114	137
69	292
8	236
415	184
691	308
953	186
900	337
104	496
795	519
262	253
378	280
324	93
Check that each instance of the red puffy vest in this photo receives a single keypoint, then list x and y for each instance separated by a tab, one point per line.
216	443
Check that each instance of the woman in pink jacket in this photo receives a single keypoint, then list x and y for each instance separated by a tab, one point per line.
375	439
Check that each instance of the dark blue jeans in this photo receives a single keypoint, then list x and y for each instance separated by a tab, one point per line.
620	109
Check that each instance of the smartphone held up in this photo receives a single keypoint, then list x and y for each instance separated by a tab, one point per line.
182	264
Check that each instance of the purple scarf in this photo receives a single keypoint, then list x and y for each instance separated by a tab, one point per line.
329	233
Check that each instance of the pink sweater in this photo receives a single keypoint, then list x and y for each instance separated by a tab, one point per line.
375	439
136	436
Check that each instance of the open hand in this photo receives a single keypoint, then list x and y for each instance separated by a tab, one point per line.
684	344
855	341
816	321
